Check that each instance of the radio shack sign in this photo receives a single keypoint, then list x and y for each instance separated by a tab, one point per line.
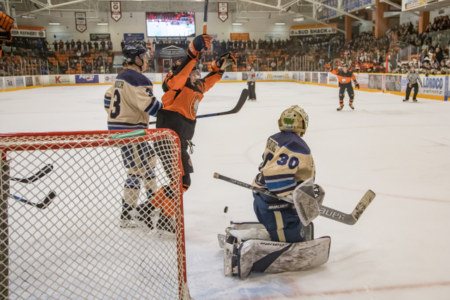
312	31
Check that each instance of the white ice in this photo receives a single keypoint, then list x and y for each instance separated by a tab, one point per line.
400	247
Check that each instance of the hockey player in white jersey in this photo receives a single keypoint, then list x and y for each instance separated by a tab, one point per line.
287	171
129	104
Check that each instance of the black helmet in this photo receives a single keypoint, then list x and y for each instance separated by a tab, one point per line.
130	52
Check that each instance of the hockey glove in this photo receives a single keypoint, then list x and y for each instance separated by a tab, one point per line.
223	62
357	85
201	42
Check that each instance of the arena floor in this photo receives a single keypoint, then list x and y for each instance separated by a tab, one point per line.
399	248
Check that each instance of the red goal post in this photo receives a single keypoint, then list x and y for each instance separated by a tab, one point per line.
72	246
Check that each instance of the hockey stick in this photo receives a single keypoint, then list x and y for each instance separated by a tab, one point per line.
41	173
237	108
330	213
205	17
41	205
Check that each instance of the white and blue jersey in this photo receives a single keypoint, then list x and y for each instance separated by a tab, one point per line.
130	101
287	161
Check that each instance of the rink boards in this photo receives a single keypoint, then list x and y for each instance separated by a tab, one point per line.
435	87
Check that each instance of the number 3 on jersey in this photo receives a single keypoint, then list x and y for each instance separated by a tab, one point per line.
115	110
292	162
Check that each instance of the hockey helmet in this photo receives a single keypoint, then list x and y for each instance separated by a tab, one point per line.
294	119
134	54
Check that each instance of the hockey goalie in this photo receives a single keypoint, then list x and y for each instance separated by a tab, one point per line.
283	240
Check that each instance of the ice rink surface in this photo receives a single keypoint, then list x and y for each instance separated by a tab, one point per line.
400	247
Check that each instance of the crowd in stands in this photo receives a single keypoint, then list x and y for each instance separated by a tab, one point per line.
33	56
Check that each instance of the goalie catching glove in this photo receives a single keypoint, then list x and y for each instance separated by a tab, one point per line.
201	42
223	62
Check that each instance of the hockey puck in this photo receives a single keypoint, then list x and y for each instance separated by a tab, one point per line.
225	210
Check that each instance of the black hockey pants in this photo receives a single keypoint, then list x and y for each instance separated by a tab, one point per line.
351	93
414	86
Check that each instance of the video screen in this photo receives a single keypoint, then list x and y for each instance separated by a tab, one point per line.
170	24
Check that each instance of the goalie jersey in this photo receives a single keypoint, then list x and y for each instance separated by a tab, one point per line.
287	162
130	101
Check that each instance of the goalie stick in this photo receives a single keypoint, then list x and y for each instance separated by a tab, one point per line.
236	109
330	213
41	205
41	173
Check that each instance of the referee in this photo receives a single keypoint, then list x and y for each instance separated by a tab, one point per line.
251	81
412	77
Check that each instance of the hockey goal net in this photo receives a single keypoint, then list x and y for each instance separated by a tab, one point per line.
62	233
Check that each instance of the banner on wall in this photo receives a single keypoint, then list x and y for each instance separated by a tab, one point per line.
332	79
59	79
110	78
88	78
323	78
375	82
223	11
352	5
301	76
131	37
324	13
295	76
239	36
99	37
116	10
165	50
277	76
315	77
300	30
80	21
393	83
410	4
28	81
37	80
29	31
19	82
1	84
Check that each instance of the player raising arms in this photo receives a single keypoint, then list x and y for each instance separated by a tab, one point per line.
345	78
129	104
184	90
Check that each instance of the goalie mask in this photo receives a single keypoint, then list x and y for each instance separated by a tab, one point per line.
294	119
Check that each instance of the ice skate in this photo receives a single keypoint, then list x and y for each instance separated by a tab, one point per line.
340	108
351	106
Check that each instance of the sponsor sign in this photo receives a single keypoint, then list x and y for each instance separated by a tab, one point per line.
333	80
307	77
363	80
59	79
223	11
99	36
323	78
131	37
315	77
239	36
278	76
19	82
28	81
37	80
258	76
110	78
9	82
116	10
88	78
393	83
311	31
301	76
295	76
375	82
229	76
164	50
410	4
80	21
433	85
28	33
1	84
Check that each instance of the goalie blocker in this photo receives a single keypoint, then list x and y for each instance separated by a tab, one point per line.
247	248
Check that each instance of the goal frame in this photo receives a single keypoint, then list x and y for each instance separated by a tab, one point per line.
5	187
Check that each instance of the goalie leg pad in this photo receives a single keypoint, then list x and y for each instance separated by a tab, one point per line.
275	257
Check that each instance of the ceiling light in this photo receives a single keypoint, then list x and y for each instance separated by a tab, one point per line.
29	17
236	24
102	24
54	24
300	19
368	7
280	24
